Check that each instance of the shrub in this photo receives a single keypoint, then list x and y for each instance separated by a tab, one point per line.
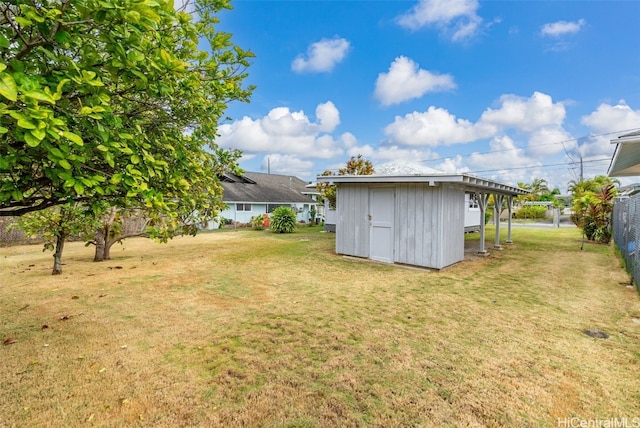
283	220
260	222
532	211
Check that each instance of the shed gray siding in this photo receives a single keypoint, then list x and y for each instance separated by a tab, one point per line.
428	223
352	228
453	209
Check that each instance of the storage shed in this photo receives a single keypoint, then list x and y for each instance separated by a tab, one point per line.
411	219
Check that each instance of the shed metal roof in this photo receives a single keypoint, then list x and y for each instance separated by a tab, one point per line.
626	158
469	182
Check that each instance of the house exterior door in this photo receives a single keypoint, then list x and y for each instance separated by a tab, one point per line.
381	218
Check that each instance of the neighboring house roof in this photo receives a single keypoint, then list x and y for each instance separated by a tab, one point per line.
257	187
626	158
469	182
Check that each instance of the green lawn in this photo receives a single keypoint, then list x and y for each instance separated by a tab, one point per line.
250	328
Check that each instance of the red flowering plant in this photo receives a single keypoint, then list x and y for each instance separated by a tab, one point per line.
260	222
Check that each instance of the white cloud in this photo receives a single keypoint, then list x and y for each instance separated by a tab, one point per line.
405	81
503	153
525	114
538	116
454	165
328	116
321	56
348	140
549	141
286	164
456	18
284	131
607	123
561	28
434	127
608	118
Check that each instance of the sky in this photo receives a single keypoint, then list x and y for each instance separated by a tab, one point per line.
505	90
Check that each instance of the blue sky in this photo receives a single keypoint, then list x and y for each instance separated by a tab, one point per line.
506	90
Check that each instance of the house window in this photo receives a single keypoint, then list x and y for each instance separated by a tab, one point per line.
271	207
243	207
473	201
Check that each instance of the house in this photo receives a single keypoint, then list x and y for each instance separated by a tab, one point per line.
626	157
412	219
626	210
256	193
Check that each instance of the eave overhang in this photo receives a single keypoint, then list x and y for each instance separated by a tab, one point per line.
469	182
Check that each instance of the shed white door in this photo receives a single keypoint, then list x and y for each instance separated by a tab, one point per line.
381	213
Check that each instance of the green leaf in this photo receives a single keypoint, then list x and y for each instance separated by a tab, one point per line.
78	187
102	148
62	37
26	124
40	96
23	22
4	42
31	140
38	133
73	137
135	159
8	87
56	152
65	164
116	178
3	130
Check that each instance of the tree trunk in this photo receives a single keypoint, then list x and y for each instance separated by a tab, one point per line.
107	249
57	256
100	244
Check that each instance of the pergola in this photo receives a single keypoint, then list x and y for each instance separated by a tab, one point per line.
484	188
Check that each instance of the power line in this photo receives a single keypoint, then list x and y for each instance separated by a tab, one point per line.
539	166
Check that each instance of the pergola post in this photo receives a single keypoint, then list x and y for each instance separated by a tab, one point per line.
497	209
509	206
483	199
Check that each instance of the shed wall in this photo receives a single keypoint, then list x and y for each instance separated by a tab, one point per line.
452	238
352	226
428	225
417	207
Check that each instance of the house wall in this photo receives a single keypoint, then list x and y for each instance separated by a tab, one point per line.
303	213
428	223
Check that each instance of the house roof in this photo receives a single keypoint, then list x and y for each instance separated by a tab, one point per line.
469	182
257	187
626	158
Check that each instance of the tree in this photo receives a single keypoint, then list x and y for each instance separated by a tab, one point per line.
108	101
593	206
55	225
357	165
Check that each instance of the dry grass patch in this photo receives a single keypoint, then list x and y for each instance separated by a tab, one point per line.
251	328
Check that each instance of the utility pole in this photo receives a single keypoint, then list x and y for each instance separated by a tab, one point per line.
581	170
